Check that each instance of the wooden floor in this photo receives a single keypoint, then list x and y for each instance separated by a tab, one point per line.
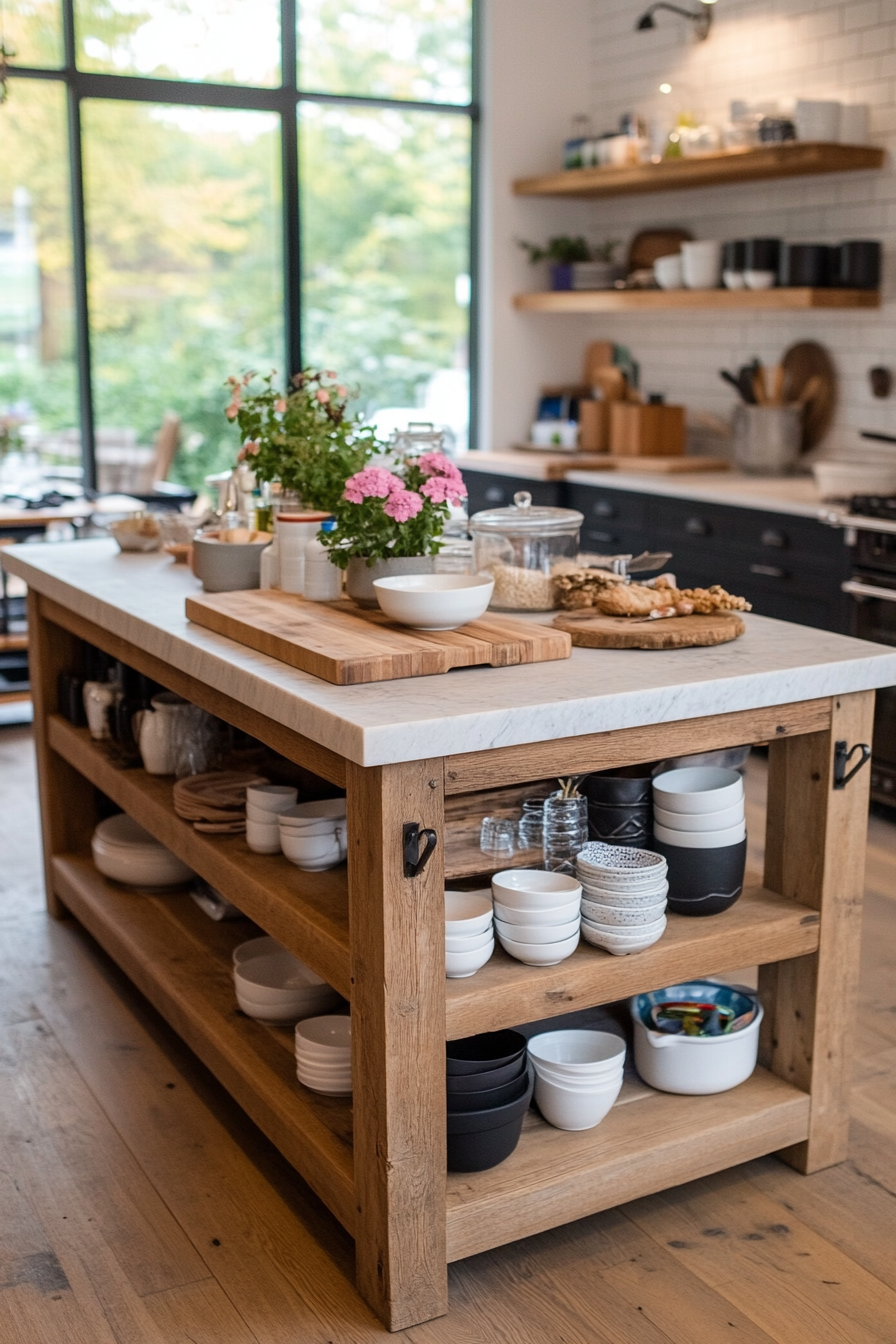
138	1206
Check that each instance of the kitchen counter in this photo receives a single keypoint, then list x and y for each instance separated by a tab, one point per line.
439	753
140	598
796	495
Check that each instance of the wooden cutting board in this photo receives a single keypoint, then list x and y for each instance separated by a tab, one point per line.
340	643
805	360
557	465
593	631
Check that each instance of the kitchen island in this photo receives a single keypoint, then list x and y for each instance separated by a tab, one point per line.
437	751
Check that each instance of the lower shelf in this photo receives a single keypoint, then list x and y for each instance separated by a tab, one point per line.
555	1177
181	961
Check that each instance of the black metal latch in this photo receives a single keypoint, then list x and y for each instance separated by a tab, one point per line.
842	757
415	858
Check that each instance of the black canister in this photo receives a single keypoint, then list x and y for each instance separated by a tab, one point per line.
860	264
734	255
620	806
805	265
763	254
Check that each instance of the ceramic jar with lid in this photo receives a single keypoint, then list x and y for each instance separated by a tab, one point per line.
525	548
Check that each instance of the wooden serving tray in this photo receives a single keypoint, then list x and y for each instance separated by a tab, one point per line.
341	643
558	464
590	630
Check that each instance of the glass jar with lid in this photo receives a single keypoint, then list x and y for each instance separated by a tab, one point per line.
525	548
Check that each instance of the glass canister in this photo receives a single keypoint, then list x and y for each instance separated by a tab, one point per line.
525	548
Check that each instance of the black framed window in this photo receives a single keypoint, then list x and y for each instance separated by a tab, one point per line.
191	188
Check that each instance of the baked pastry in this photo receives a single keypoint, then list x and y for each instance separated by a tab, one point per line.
632	599
580	587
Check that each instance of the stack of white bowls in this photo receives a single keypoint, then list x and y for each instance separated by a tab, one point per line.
324	1055
700	828
623	897
264	804
127	853
469	932
313	836
276	987
537	915
578	1076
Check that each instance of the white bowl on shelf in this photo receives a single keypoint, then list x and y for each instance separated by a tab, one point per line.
460	965
274	798
540	954
537	933
313	853
341	1087
468	942
434	601
123	851
467	912
700	821
261	838
261	947
278	987
557	914
841	480
578	1052
733	835
325	1037
623	917
621	945
697	789
638	900
308	813
532	889
575	1108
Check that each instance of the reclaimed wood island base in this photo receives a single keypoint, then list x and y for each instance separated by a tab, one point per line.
439	751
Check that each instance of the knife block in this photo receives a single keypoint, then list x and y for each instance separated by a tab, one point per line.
594	426
646	431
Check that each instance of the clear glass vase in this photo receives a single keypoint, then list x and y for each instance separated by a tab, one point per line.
565	831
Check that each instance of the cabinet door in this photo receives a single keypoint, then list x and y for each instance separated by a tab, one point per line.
487	490
615	521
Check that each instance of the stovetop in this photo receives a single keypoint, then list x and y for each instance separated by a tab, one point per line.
874	506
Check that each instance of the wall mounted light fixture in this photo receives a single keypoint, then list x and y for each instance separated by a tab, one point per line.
701	18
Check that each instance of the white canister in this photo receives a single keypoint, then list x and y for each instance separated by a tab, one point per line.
701	264
294	531
817	119
323	580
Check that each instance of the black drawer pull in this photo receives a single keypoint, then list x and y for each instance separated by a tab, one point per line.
698	527
605	538
603	509
769	571
772	537
495	495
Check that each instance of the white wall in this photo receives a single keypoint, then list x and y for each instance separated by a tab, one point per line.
758	48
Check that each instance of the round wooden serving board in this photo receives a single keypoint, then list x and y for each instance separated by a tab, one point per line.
593	631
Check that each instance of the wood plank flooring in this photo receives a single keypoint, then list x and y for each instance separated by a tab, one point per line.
139	1206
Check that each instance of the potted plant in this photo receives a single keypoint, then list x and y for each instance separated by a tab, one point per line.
303	437
390	518
575	263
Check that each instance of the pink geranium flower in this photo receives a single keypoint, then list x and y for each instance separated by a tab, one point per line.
371	483
322	395
403	505
443	491
437	464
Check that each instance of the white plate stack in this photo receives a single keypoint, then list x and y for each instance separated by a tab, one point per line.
313	836
623	897
537	915
469	932
275	986
127	853
324	1055
578	1076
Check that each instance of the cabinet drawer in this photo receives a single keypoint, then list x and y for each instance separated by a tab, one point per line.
487	490
609	510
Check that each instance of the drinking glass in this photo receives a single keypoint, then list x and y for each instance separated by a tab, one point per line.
497	835
565	831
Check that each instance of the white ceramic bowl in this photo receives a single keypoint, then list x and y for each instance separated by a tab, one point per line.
627	932
342	1089
340	1063
468	912
274	798
585	1083
625	900
695	1066
618	945
577	1051
125	831
700	821
341	1072
557	914
624	918
156	867
279	987
261	947
322	807
322	1035
572	1108
262	839
459	965
305	830
701	839
468	942
697	788
841	480
540	954
434	601
289	1008
621	869
537	933
314	853
532	889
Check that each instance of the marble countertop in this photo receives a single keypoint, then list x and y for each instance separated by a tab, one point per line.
778	494
141	599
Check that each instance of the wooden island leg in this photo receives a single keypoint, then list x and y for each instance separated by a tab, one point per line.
815	853
397	932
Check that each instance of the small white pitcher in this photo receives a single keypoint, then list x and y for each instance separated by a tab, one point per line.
157	730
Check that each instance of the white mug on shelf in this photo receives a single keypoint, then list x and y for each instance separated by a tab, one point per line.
667	271
701	264
99	697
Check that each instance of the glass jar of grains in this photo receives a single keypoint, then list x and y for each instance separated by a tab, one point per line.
525	548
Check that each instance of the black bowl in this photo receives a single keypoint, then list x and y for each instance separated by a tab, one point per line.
461	1102
489	1050
478	1140
620	806
481	1082
704	881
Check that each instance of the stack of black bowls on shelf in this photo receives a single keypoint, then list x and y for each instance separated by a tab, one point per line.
490	1084
620	806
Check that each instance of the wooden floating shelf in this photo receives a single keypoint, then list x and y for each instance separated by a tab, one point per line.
306	912
762	927
181	961
794	159
652	1144
653	300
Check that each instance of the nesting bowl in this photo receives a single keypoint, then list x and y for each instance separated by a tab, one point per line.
277	987
434	601
532	889
123	851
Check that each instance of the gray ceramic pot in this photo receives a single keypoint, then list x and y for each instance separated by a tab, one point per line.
225	567
359	576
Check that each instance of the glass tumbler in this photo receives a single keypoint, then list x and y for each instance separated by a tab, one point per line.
531	826
565	831
497	835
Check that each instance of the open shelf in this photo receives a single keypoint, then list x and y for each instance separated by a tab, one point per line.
794	159
556	1176
180	959
652	300
306	912
760	928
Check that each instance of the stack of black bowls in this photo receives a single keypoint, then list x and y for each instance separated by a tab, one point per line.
490	1084
620	806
